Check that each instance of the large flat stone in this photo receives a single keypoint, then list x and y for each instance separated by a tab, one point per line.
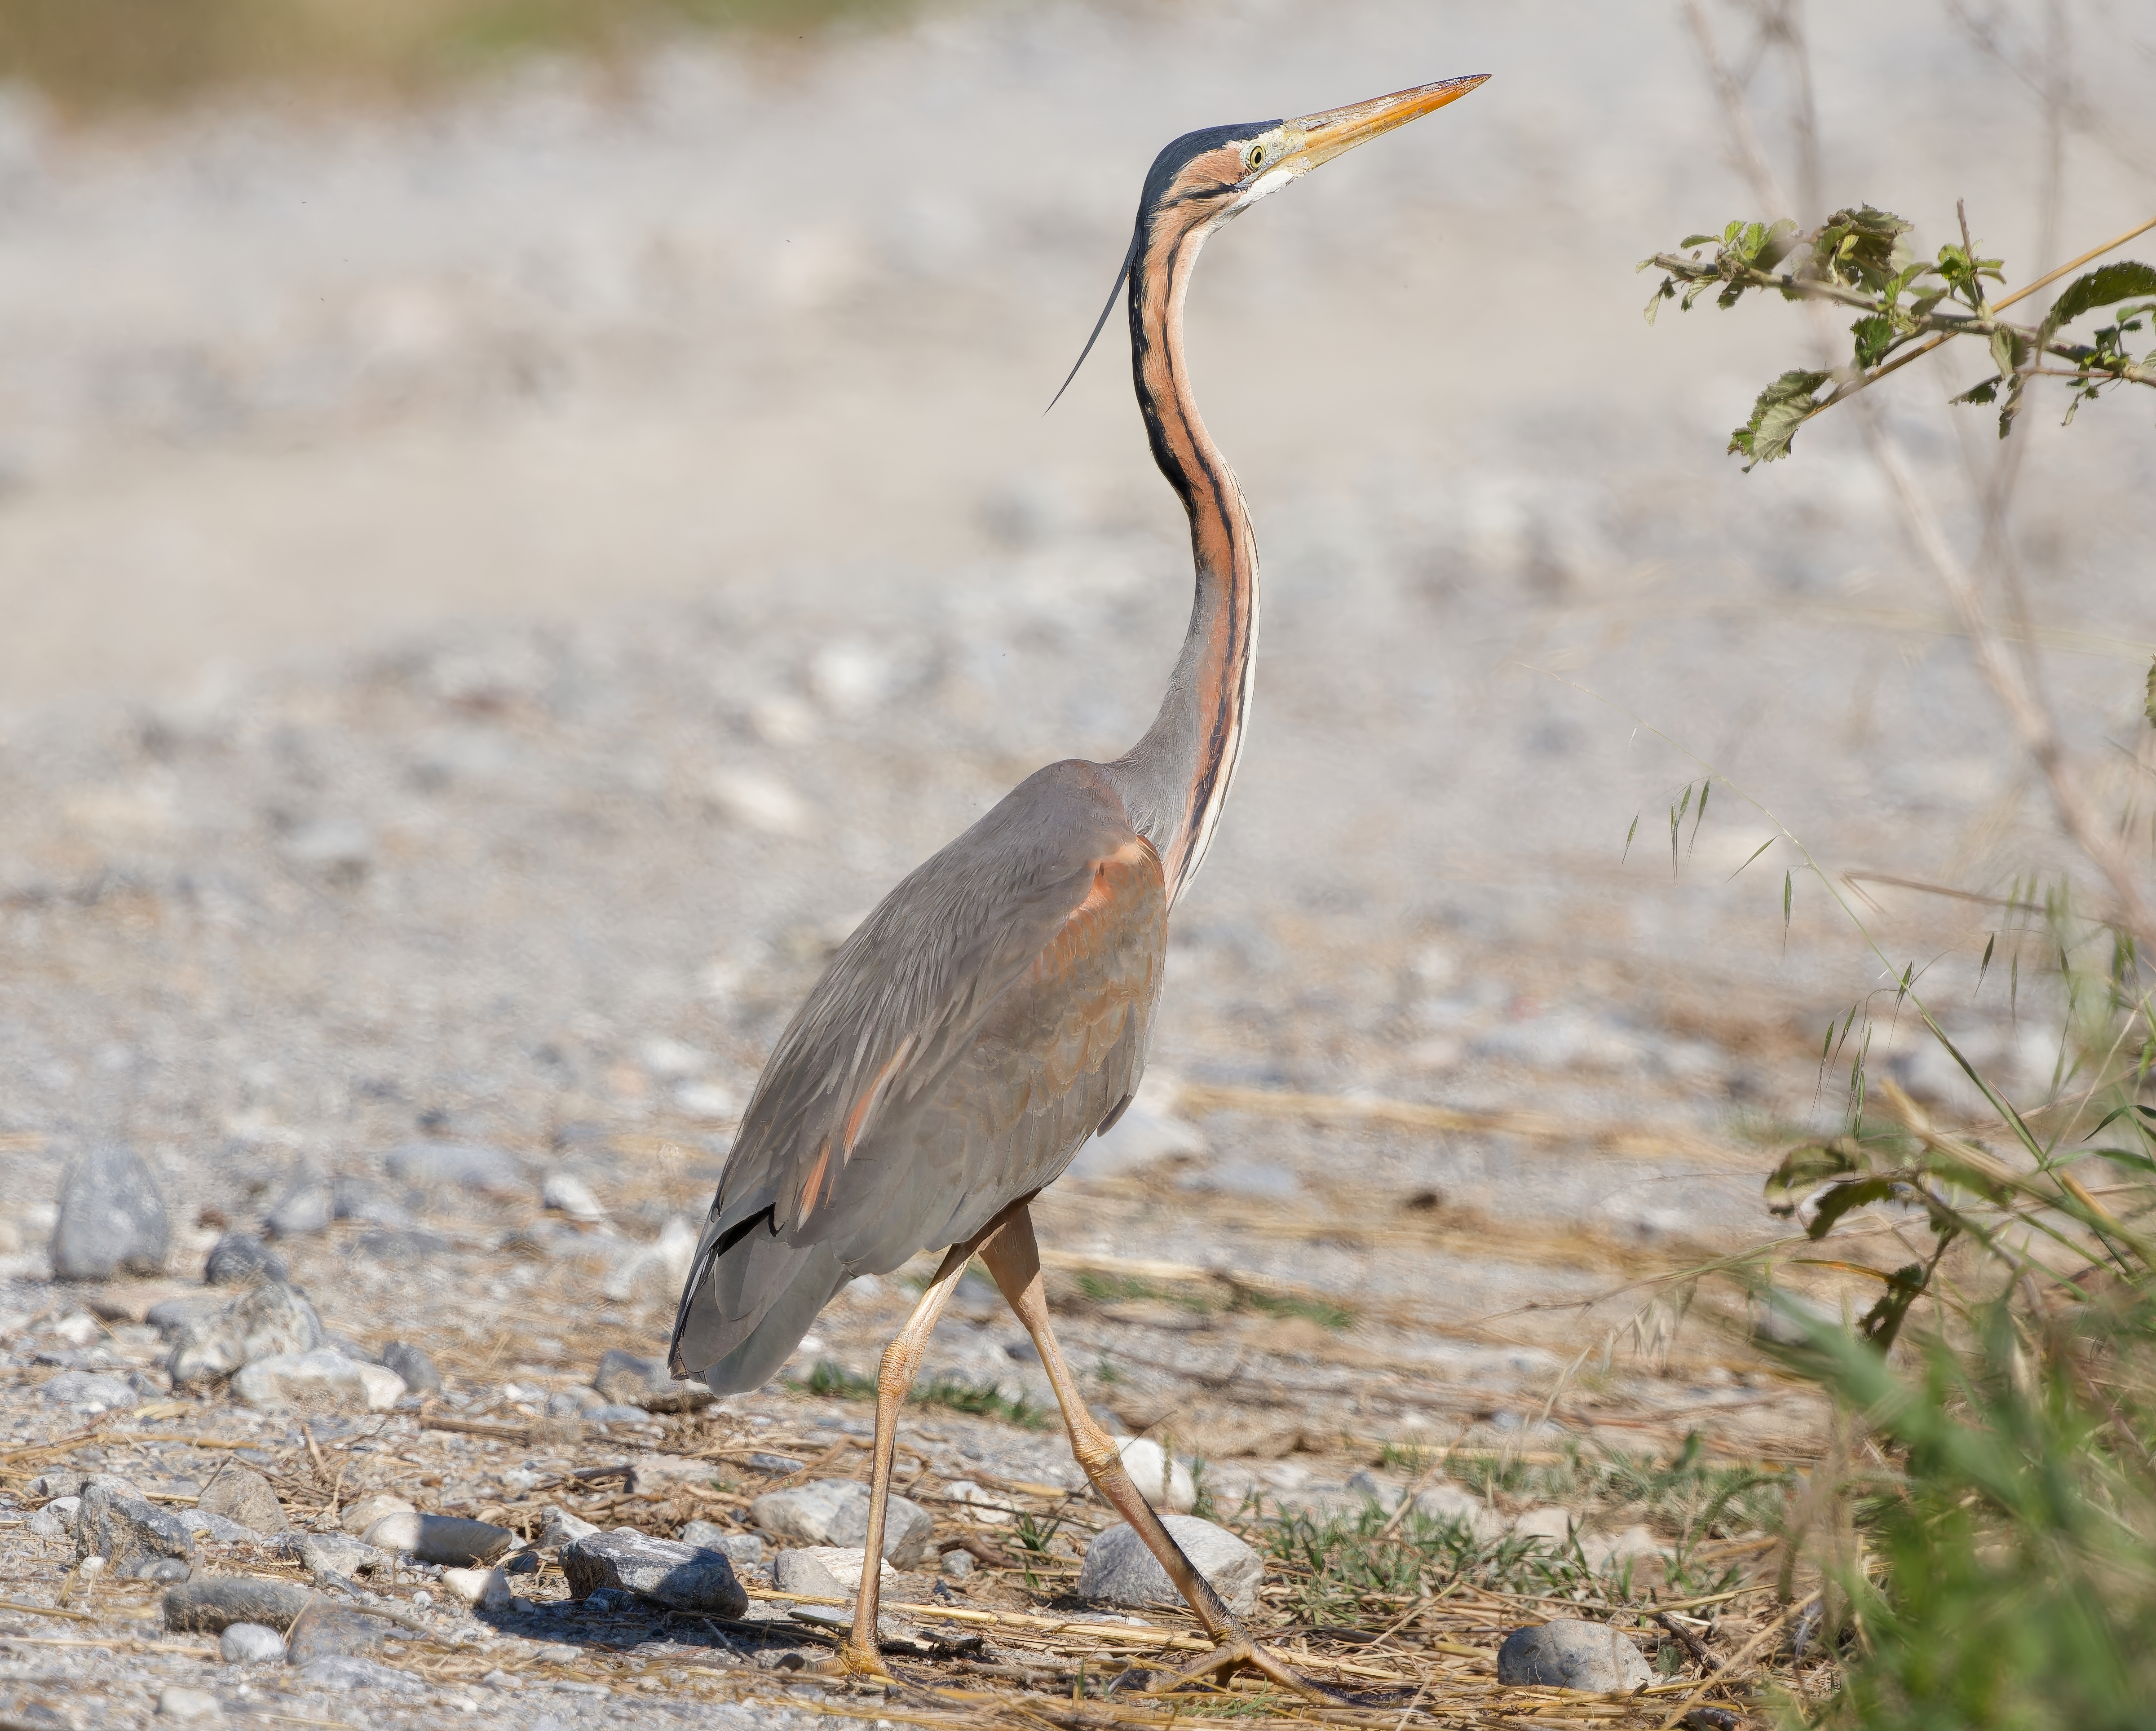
446	1540
137	1538
240	1494
1119	1570
326	1629
112	1218
210	1607
835	1512
322	1379
1571	1653
679	1576
267	1321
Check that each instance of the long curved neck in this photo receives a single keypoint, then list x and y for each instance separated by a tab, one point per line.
1174	780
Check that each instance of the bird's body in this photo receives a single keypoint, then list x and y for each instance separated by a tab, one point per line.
993	1012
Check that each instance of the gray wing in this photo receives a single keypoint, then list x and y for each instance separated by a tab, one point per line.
979	1025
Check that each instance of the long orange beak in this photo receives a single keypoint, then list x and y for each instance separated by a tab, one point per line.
1327	135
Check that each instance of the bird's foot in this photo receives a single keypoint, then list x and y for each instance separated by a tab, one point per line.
858	1660
1239	1652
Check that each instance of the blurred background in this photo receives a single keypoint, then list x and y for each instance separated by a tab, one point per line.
519	519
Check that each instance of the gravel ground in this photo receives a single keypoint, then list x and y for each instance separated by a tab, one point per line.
444	707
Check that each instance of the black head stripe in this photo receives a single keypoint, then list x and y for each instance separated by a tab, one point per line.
1177	155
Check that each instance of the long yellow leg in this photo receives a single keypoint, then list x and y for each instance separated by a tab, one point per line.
1013	1258
901	1363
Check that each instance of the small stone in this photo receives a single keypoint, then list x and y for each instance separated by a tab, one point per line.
1632	1544
1552	1526
319	1378
1163	1484
1449	1505
250	1644
488	1588
240	1494
779	1465
445	1539
654	1474
211	1606
676	1575
240	1259
57	1518
565	1193
303	1206
171	1317
369	1509
61	1482
361	1198
332	1558
414	1366
524	1563
338	1673
176	1701
806	1573
612	1412
557	1526
400	1246
744	1550
841	1563
957	1563
222	1530
89	1389
1119	1570
466	1165
268	1321
631	1381
132	1535
328	1630
1571	1653
835	1512
112	1218
1367	1483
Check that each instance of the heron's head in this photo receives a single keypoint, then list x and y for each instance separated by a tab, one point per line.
1204	178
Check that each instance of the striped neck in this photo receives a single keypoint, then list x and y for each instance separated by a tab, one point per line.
1174	781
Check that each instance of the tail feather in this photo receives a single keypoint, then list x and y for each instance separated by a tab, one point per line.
749	1299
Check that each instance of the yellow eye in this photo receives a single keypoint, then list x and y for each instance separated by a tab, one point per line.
1256	156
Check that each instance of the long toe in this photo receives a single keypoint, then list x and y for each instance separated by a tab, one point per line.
1241	1653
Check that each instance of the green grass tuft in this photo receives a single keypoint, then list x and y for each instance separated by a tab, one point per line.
833	1381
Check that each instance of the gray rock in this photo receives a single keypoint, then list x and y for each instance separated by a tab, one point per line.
222	1531
369	1508
211	1606
56	1519
835	1512
331	1558
1119	1570
87	1387
327	1630
559	1526
679	1576
807	1574
744	1550
780	1465
268	1321
574	1403
112	1218
612	1412
650	1475
134	1537
303	1206
414	1366
240	1494
250	1644
316	1380
957	1563
446	1540
170	1317
630	1381
187	1706
401	1246
60	1482
361	1198
466	1165
338	1673
1570	1653
567	1194
524	1563
240	1259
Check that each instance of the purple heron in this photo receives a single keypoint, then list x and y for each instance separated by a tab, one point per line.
993	1012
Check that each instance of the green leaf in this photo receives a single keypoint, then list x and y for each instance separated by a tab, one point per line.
1628	834
2148	708
1875	336
1883	1321
1782	408
1698	240
1804	1169
2101	287
1770	842
1863	245
1789	900
1978	394
1990	942
1854	1193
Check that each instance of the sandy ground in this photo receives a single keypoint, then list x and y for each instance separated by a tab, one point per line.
493	593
